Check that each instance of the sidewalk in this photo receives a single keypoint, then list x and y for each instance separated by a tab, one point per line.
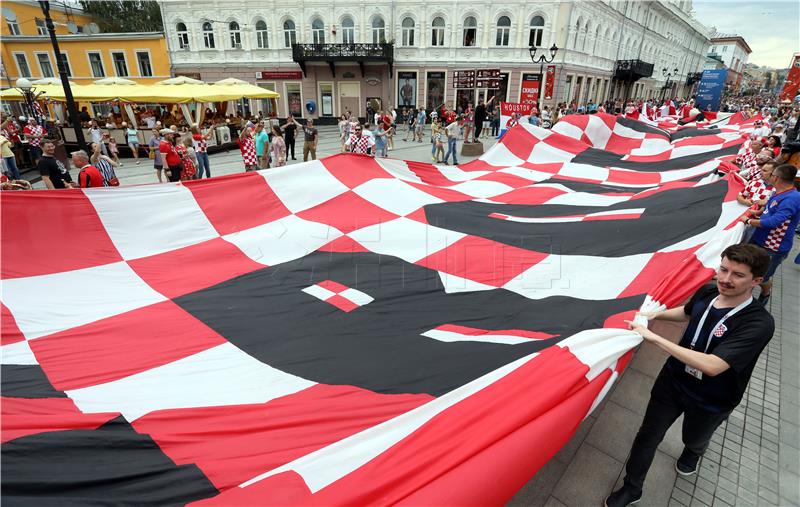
753	458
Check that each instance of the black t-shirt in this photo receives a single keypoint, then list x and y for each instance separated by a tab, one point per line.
289	130
55	170
748	332
480	113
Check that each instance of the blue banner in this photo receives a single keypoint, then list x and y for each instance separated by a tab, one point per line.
709	91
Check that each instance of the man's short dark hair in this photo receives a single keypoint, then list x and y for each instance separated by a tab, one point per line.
48	141
751	255
785	172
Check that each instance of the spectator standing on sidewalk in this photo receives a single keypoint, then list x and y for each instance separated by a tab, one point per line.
310	140
247	145
132	137
169	155
154	145
419	126
9	160
34	133
201	151
775	225
380	140
262	146
289	130
278	147
54	173
707	371
344	131
360	143
188	159
89	176
453	131
96	134
105	165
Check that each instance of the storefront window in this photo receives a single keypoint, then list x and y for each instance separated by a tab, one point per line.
326	99
435	86
294	99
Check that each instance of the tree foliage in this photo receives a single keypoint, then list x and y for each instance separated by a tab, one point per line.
125	15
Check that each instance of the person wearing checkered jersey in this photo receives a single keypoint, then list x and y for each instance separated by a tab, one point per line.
775	224
358	143
708	370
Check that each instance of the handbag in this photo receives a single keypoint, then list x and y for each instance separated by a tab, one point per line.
113	182
152	154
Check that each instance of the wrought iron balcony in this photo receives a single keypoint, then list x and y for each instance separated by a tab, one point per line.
632	70
332	53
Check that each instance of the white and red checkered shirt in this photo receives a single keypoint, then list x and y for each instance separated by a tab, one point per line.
748	161
248	147
757	190
200	144
776	235
33	133
359	144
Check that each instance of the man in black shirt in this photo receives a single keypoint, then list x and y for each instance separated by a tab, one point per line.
480	116
288	135
54	172
708	371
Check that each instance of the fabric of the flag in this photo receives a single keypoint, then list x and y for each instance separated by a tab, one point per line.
347	331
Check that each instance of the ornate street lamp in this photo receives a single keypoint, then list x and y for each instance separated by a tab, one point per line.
29	93
669	75
541	60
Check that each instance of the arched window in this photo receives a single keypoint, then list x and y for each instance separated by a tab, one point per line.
262	36
577	32
536	31
596	39
408	31
235	35
470	31
12	22
348	31
289	33
208	35
437	32
318	31
183	35
378	30
503	31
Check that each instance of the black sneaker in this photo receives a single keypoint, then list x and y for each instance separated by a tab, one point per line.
622	497
687	463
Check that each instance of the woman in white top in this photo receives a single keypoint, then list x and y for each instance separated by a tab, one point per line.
132	136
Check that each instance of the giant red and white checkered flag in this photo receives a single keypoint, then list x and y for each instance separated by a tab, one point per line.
346	331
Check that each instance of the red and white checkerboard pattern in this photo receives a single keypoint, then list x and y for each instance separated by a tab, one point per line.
100	320
248	148
342	297
776	235
757	190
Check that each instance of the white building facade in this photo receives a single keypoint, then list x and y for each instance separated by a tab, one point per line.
428	43
734	51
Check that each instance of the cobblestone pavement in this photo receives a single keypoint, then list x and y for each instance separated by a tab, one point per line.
753	458
230	161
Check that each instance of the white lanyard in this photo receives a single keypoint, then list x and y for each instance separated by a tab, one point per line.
731	313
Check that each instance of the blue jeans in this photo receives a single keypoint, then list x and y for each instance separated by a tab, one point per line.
203	164
452	147
11	166
36	154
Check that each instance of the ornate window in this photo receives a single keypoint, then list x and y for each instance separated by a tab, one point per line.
235	35
208	35
378	30
503	31
536	31
408	31
262	36
289	33
318	31
470	31
348	31
437	32
183	35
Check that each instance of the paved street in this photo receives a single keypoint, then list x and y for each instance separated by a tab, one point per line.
753	459
229	162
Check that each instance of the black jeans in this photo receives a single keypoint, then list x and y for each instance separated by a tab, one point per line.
665	406
290	147
478	126
495	124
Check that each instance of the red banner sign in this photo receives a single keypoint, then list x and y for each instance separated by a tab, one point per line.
280	74
549	82
792	84
530	88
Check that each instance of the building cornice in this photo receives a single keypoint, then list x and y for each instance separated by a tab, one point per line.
82	37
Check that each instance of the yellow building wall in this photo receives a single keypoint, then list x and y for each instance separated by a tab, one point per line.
77	52
28	13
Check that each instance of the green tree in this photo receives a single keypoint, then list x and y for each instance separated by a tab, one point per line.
125	15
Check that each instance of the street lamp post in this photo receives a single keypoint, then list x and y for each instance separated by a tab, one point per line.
72	110
541	60
669	75
29	93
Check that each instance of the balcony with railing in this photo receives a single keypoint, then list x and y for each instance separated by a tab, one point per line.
333	53
632	70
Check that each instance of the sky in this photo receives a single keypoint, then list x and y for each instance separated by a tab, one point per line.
771	29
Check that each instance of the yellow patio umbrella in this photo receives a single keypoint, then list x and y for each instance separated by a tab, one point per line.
236	89
115	81
180	80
